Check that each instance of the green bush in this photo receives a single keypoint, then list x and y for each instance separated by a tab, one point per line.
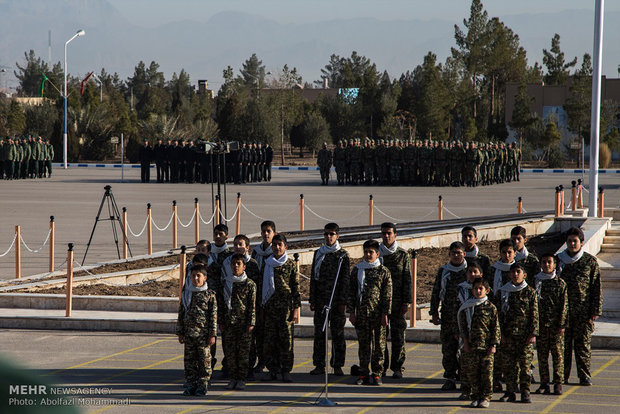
555	158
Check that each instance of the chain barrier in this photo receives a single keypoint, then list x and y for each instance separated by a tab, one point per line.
167	225
146	221
230	219
10	247
321	217
445	208
390	217
42	246
190	222
144	282
206	222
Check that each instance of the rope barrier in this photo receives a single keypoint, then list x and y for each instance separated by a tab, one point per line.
190	222
233	216
167	225
321	217
429	213
355	215
10	247
206	222
246	209
144	282
146	221
445	208
524	210
42	246
390	217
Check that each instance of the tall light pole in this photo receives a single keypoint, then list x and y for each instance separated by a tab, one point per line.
64	136
595	119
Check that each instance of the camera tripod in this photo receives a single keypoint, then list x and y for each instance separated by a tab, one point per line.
113	216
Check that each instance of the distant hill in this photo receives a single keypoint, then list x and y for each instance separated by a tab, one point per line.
204	49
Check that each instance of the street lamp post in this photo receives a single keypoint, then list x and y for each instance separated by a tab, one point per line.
64	136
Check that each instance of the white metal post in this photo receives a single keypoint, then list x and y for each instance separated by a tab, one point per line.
596	106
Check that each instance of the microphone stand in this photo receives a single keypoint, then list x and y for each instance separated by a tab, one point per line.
326	402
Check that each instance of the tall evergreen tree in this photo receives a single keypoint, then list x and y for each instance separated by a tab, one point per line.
558	70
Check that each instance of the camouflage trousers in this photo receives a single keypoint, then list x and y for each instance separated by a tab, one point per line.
395	174
355	172
547	341
237	351
517	364
197	363
578	336
449	350
477	372
339	346
398	324
278	348
371	339
341	172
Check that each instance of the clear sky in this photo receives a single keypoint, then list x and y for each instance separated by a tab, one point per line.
155	12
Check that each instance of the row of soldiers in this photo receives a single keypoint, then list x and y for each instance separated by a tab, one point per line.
415	162
22	158
187	161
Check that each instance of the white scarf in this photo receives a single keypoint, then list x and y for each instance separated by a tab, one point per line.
447	271
261	254
464	289
188	289
506	290
566	259
269	285
228	286
473	253
216	250
386	251
361	275
497	278
522	254
320	255
469	307
539	279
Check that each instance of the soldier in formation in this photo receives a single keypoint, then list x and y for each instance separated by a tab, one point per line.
22	158
422	163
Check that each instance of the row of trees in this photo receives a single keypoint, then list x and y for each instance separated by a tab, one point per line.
462	98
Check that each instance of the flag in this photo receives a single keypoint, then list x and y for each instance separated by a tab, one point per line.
84	82
42	87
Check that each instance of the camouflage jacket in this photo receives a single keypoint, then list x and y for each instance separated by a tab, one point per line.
340	155
399	265
376	297
199	321
583	283
286	296
521	320
242	304
321	289
553	304
485	263
532	267
324	158
450	304
485	331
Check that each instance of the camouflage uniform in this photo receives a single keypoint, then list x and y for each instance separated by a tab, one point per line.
485	263
324	161
256	344
236	320
583	282
449	328
340	162
477	365
368	160
196	325
399	265
278	351
335	263
376	300
553	313
381	159
517	325
532	267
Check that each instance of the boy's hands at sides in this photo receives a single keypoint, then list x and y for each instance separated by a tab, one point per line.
384	320
210	340
491	350
531	339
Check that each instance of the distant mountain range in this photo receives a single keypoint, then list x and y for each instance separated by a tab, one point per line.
204	49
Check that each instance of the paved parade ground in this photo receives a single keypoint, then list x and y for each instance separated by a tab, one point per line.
143	373
74	195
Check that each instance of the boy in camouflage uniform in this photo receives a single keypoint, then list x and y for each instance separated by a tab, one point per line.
219	248
518	319
237	316
330	262
529	260
445	291
280	303
479	329
398	262
553	312
370	301
469	238
196	329
581	273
